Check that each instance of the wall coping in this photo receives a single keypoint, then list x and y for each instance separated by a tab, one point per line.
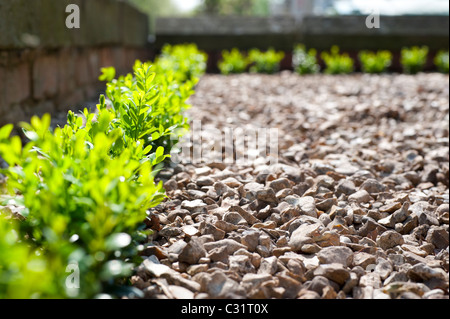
351	24
103	22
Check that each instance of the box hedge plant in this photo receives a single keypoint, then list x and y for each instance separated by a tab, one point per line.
83	190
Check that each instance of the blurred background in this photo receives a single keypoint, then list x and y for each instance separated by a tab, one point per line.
47	67
290	7
216	25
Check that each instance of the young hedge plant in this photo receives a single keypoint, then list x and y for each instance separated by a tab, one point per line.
186	61
233	62
441	61
265	62
305	62
375	62
83	202
414	59
337	63
149	106
84	189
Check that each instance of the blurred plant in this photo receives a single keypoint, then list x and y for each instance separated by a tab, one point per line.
337	63
305	62
414	59
375	62
24	271
233	62
442	61
235	7
211	6
186	61
156	8
265	62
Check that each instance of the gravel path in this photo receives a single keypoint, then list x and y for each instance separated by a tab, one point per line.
357	205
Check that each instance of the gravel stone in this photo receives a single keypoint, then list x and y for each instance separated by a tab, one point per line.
354	204
341	255
390	239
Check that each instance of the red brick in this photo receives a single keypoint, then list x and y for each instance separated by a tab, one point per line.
66	71
130	57
119	60
18	84
45	77
106	58
94	65
3	105
82	69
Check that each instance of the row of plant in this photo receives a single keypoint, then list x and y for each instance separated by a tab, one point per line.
84	190
256	61
305	61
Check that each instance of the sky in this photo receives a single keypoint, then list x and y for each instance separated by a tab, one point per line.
392	7
186	5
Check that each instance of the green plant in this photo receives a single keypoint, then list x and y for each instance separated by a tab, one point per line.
305	62
78	199
149	105
265	62
233	62
84	189
441	61
24	272
414	59
337	63
159	93
135	103
186	62
375	62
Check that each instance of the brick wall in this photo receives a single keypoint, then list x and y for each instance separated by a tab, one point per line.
36	82
61	70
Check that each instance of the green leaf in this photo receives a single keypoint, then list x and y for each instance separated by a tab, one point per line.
159	151
5	131
140	86
147	149
151	77
108	74
155	136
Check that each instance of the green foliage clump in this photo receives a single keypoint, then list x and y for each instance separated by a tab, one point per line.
84	189
441	61
24	272
265	62
375	62
149	104
414	59
337	63
78	194
233	62
185	61
305	62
